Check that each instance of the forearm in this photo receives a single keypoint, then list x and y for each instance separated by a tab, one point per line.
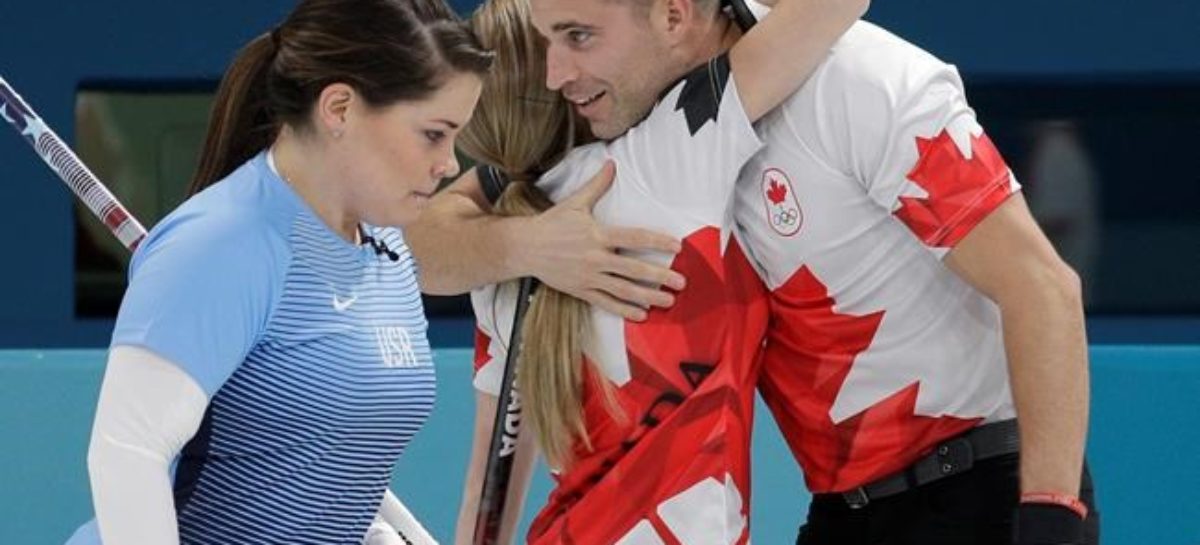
464	526
468	513
468	510
524	461
1047	353
132	495
148	409
522	473
459	246
1007	258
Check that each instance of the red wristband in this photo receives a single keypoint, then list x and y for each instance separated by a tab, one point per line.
1065	500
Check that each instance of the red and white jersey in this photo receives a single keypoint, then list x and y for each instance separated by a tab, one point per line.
675	469
872	172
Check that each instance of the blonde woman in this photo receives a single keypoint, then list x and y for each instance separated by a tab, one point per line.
647	423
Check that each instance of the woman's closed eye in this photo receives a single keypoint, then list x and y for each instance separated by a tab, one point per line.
435	137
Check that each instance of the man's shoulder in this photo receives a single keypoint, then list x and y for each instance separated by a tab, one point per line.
869	58
870	78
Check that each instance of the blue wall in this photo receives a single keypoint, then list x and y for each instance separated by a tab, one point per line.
1056	37
1144	446
46	48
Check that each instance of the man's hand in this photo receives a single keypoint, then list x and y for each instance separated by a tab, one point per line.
570	252
1047	524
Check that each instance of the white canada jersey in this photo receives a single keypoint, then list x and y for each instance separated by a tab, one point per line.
872	172
684	378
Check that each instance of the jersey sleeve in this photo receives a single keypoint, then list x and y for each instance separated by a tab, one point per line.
687	153
200	293
898	121
493	325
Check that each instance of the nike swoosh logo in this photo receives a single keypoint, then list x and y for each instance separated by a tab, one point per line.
341	305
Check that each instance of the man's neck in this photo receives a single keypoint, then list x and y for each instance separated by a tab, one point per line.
715	39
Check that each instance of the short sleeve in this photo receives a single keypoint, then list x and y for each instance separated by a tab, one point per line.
493	306
201	289
907	133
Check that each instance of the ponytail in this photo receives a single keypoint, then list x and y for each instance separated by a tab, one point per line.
389	51
550	367
241	123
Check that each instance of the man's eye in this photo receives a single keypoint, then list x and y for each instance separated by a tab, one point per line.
578	37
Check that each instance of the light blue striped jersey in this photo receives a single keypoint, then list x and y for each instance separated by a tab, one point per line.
312	350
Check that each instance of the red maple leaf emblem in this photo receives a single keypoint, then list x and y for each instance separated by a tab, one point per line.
688	404
810	351
777	192
961	191
483	344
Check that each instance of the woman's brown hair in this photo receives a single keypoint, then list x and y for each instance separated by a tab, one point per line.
387	50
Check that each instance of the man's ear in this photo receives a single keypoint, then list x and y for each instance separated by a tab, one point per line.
673	18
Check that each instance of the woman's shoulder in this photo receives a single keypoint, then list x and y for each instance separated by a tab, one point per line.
251	194
238	217
579	165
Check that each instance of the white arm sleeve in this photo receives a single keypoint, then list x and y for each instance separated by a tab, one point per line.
395	521
382	533
148	409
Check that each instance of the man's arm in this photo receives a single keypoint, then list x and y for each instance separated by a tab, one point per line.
910	131
460	245
767	74
1007	258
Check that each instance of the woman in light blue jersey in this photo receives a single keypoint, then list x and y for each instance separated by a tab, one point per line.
269	361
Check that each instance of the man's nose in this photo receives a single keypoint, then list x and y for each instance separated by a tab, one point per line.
559	68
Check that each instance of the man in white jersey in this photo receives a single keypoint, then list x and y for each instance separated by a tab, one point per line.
895	242
683	380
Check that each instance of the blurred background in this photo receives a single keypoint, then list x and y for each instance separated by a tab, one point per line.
1096	106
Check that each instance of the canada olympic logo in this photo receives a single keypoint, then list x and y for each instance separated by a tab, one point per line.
783	210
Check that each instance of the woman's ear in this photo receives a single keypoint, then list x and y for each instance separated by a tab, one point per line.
332	108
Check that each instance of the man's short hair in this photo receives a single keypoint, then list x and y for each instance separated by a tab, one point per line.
705	7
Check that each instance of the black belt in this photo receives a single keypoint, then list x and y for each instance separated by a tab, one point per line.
949	458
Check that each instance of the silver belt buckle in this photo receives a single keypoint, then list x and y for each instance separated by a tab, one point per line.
857	498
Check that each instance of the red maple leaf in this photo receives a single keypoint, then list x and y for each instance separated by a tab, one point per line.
688	404
777	192
810	351
483	345
961	191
